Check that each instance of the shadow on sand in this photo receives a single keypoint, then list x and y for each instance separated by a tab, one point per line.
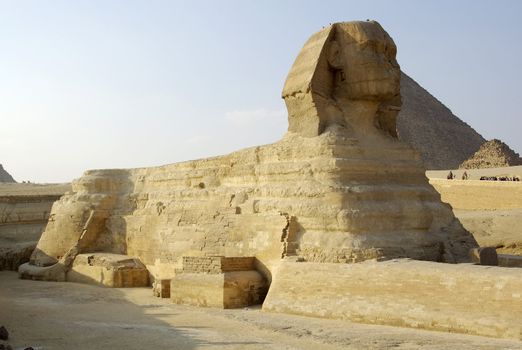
65	315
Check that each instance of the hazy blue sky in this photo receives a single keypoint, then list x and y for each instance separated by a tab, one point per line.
107	84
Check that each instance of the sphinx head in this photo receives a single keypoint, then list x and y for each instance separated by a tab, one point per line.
362	57
350	61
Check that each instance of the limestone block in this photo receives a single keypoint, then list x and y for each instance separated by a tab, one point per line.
507	260
465	298
198	289
243	288
216	264
218	281
23	216
484	256
221	290
110	270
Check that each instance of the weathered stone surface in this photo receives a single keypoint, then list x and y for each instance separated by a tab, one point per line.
225	290
216	264
508	260
484	256
466	298
23	216
218	281
110	270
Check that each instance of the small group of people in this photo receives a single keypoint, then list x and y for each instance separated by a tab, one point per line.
500	178
465	176
452	176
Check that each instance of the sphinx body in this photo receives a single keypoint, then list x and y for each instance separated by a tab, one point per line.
339	187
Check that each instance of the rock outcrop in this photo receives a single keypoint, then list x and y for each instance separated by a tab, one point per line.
492	154
24	211
443	140
5	176
339	187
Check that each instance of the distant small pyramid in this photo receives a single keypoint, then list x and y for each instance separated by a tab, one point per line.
4	175
492	154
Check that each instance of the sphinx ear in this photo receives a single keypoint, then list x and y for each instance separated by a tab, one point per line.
333	55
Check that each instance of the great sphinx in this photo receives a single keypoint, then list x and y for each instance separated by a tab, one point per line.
337	188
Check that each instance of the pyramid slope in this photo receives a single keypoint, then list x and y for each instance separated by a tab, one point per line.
443	140
492	154
4	175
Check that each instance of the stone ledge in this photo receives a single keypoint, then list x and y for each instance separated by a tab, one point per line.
507	260
215	264
217	281
226	290
464	298
110	270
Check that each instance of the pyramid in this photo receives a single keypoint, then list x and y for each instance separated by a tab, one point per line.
443	140
492	154
4	175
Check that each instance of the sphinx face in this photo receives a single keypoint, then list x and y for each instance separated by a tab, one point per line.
363	56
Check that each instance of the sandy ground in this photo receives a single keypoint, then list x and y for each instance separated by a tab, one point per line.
51	315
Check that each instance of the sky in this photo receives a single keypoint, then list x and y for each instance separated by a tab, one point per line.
121	84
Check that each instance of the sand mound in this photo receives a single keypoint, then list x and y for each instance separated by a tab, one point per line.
4	175
443	140
492	154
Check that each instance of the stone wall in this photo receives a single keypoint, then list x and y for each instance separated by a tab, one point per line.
23	217
464	298
490	210
218	281
479	195
216	264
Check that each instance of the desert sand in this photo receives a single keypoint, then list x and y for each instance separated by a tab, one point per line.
69	315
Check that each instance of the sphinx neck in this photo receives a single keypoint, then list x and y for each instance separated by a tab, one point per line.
360	116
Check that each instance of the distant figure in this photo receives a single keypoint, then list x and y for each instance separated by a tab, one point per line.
450	176
465	176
